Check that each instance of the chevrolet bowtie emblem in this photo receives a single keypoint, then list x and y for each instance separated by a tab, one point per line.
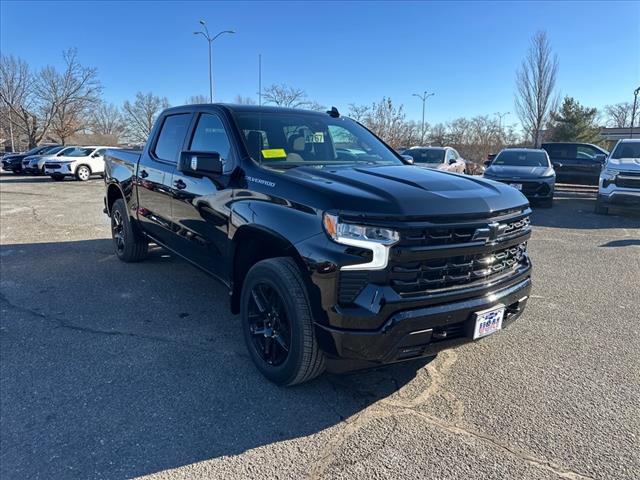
490	233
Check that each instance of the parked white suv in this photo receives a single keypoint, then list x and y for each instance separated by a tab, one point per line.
620	177
79	162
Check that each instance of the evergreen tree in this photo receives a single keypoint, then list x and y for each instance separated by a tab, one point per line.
574	123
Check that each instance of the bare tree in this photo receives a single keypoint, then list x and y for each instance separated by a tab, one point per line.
197	99
286	96
106	119
535	82
73	92
619	115
387	121
240	100
30	116
140	115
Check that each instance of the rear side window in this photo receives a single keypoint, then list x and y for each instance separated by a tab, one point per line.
171	137
561	150
210	136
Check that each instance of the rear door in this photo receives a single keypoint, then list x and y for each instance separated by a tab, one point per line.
96	161
201	205
154	176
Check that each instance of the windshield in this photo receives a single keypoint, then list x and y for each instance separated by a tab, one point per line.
51	151
521	159
38	150
286	140
77	152
627	150
426	155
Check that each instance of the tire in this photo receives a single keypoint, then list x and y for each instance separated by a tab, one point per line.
547	203
83	173
57	178
129	245
600	208
292	322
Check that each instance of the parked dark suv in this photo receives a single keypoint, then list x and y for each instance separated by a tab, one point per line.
576	162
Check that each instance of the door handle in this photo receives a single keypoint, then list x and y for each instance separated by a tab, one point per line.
144	174
179	184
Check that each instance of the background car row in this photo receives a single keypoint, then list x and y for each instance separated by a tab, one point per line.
57	161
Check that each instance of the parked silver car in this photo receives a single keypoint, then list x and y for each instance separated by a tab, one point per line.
439	158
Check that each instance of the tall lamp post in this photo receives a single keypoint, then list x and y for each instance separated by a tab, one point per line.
636	92
423	97
500	115
210	40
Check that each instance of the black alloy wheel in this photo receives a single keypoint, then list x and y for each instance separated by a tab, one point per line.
117	229
268	324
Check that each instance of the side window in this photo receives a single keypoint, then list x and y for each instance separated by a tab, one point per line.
100	152
586	152
210	136
562	151
454	155
171	137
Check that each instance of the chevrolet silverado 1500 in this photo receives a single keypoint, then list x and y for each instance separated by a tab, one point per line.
336	253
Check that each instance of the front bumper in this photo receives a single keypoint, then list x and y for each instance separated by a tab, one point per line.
533	189
621	197
421	332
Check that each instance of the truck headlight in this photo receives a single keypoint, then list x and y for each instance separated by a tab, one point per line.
376	239
608	176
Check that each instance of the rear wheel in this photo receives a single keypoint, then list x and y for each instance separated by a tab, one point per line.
277	323
83	173
129	245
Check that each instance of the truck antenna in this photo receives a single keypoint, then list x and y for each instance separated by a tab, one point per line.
260	79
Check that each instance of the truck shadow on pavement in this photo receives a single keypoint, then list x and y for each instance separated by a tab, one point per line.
113	370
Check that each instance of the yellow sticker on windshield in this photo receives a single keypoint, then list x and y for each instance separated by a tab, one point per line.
274	153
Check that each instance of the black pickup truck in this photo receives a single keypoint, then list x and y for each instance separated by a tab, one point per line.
336	252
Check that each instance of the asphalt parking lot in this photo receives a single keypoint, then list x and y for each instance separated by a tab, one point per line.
113	370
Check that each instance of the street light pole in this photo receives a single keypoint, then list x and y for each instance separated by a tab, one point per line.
210	40
500	115
423	97
633	111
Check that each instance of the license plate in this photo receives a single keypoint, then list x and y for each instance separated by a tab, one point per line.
517	186
488	322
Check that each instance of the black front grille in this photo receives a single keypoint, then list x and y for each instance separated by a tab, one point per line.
435	236
434	274
351	284
628	181
535	188
53	166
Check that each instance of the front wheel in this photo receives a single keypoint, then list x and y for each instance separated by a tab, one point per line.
600	208
129	245
83	173
277	323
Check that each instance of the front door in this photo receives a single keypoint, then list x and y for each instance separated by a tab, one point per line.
201	205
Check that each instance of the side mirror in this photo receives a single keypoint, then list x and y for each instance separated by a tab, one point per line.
452	161
200	163
408	159
487	163
557	165
600	158
95	155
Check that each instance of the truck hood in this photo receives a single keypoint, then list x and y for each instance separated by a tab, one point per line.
510	171
627	164
403	191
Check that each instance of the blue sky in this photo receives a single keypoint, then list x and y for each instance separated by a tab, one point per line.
465	52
